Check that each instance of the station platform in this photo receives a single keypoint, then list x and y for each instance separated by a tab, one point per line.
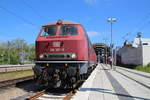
105	83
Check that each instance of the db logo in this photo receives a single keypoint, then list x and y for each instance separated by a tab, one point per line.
56	44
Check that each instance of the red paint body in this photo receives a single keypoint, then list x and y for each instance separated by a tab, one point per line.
78	44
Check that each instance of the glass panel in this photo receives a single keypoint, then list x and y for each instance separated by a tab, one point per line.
49	31
68	30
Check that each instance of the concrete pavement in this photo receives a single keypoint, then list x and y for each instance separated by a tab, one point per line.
107	84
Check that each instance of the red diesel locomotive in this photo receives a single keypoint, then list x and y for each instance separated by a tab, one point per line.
64	54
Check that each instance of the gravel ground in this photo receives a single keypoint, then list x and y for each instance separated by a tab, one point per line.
11	93
21	89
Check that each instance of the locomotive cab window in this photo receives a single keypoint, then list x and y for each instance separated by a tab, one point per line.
68	30
49	31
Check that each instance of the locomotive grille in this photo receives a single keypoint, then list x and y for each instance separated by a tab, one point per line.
58	56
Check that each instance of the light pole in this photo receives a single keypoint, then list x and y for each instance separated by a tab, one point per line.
111	20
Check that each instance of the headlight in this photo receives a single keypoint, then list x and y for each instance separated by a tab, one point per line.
73	55
41	56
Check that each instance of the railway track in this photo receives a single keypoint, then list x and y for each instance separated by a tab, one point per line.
53	94
8	83
58	94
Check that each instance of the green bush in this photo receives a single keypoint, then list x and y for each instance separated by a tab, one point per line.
148	65
140	67
143	68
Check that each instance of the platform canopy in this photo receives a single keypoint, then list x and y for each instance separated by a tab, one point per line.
99	47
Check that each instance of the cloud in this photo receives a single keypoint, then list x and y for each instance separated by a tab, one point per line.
93	33
106	3
91	2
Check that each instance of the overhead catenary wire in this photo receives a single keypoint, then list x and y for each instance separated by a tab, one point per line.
17	16
139	27
34	10
125	37
146	20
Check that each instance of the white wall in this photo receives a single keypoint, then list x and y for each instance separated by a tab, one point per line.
146	54
137	54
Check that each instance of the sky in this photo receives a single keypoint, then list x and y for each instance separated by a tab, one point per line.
24	18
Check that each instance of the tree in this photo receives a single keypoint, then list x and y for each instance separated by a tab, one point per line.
16	51
31	55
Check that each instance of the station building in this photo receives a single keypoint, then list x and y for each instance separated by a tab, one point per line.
135	53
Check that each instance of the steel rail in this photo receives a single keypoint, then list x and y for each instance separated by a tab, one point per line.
37	95
70	94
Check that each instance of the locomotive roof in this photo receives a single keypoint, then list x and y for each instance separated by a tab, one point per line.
62	22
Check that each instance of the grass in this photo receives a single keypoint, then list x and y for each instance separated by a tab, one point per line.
128	66
139	68
15	75
143	68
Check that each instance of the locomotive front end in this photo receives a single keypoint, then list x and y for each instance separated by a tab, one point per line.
61	55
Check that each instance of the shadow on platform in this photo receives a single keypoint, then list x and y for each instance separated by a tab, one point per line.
94	89
110	92
104	69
